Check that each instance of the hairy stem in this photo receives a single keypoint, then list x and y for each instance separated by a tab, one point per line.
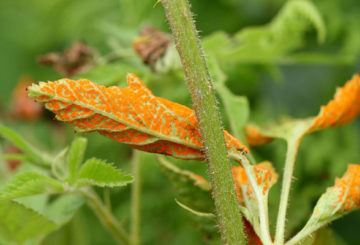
285	191
308	229
262	203
106	217
200	86
135	199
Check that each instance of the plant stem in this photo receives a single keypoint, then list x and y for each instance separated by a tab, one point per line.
308	229
261	199
200	86
135	199
262	203
285	191
106	217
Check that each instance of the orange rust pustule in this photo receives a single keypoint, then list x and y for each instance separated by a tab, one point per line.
344	108
349	188
131	115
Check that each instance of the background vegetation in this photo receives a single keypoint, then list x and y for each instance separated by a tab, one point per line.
293	75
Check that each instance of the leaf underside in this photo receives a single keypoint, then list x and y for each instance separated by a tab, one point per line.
131	115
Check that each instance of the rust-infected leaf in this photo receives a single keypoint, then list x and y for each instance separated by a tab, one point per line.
339	199
344	108
254	137
265	178
131	115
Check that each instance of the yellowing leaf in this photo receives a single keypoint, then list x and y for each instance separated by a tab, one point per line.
265	178
131	115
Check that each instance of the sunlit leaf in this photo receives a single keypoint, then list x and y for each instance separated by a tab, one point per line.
19	223
98	172
30	183
131	115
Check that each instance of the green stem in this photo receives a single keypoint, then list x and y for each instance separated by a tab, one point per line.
262	203
106	218
200	86
107	198
285	191
135	199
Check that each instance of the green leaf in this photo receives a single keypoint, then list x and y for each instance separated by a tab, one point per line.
76	156
30	183
34	155
19	223
193	194
58	166
268	43
108	74
192	189
63	208
98	172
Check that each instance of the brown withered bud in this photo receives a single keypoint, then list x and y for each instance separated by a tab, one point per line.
74	60
21	106
151	45
12	164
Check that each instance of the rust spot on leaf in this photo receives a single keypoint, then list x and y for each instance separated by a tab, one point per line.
344	108
131	115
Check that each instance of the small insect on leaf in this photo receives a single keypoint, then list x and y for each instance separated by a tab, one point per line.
131	115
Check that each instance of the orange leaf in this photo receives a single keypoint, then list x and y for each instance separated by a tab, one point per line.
349	188
131	115
344	108
265	177
254	137
339	199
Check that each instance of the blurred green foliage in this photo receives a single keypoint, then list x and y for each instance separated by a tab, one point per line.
293	76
